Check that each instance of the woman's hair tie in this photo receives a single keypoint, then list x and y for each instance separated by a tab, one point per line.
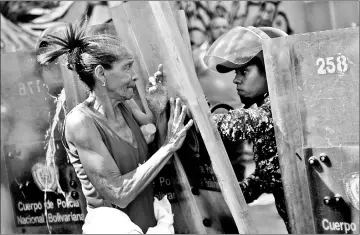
69	66
74	59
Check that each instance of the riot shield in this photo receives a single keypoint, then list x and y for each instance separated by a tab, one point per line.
202	165
46	194
313	84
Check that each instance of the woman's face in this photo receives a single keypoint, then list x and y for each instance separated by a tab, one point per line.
250	82
120	80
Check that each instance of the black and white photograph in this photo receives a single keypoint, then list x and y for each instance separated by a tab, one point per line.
180	117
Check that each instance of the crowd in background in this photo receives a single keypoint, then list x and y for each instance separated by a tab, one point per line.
22	22
202	14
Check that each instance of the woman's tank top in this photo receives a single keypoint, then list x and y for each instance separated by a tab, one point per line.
127	158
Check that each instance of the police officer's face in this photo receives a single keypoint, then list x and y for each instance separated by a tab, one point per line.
250	81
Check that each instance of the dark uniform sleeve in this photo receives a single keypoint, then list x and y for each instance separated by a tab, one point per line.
241	124
252	187
265	179
257	126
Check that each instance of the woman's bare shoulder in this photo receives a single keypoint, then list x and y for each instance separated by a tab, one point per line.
75	118
79	126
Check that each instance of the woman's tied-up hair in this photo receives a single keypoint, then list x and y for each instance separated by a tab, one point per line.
83	49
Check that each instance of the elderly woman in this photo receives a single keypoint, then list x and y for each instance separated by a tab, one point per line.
240	49
102	135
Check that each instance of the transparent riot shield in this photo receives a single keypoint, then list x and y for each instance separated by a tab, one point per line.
313	84
208	196
45	192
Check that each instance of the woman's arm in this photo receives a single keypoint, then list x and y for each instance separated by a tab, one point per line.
101	168
120	189
157	97
160	120
140	117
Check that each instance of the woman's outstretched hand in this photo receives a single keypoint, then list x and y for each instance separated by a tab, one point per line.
156	92
176	132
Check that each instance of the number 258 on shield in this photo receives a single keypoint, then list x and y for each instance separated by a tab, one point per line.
337	64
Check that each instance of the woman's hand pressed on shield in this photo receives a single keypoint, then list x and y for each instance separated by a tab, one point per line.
176	131
156	92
